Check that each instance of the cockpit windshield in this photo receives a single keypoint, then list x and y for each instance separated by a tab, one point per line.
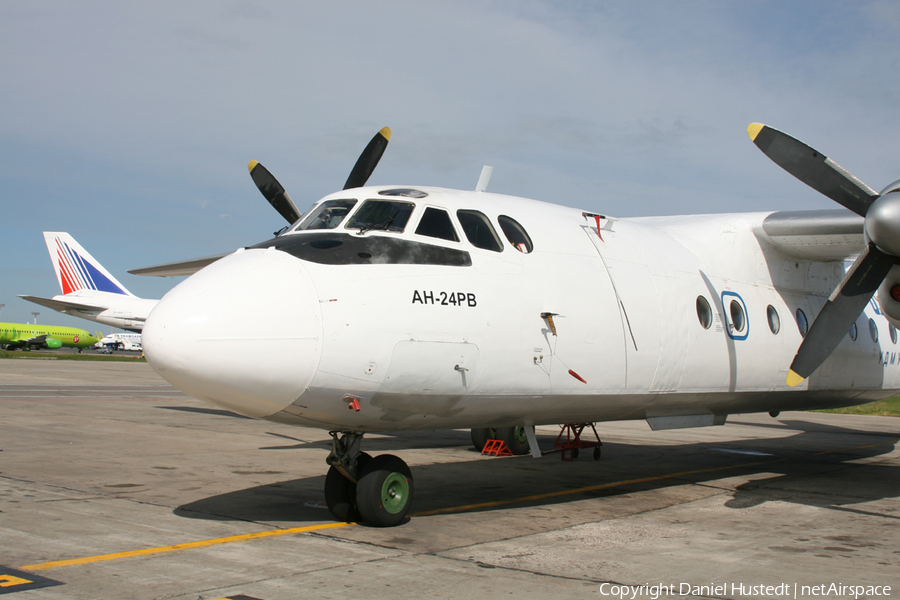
327	215
383	215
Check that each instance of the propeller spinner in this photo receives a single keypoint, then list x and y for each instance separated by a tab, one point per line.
882	232
278	197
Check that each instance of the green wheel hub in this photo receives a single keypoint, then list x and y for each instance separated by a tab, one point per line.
515	438
395	492
384	492
520	435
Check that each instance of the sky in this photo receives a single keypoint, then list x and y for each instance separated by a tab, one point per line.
130	125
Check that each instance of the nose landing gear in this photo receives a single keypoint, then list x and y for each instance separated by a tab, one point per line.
378	491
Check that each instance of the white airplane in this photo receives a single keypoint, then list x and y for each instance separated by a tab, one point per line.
88	290
389	308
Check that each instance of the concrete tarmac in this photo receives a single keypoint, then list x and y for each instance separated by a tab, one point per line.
115	485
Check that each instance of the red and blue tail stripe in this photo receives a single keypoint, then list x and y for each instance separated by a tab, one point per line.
77	273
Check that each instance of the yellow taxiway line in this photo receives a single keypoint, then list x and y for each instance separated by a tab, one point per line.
175	547
455	509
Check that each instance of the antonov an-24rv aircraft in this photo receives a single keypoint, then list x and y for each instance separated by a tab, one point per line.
389	308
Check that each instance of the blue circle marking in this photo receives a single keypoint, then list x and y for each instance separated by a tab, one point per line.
729	326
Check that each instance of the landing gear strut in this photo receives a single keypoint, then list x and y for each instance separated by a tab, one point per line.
358	487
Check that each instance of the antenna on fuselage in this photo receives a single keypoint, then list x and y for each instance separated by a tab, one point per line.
484	179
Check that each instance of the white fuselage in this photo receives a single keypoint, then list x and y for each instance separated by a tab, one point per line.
323	322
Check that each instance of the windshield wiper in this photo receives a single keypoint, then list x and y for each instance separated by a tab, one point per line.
380	224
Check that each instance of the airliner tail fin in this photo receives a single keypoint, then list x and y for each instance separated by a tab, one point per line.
76	269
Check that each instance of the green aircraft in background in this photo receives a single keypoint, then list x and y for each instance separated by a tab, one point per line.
24	335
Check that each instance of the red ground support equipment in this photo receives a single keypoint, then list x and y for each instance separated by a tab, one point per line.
496	448
573	442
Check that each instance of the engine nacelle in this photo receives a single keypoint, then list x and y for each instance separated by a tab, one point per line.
52	344
888	301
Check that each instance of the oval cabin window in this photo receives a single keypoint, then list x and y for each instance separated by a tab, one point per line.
802	323
738	320
704	312
774	319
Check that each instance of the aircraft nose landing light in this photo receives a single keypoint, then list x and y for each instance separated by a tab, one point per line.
225	336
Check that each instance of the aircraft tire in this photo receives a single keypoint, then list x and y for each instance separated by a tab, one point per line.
340	492
384	492
480	436
514	438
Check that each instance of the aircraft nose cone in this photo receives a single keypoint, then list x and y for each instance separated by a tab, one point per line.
242	333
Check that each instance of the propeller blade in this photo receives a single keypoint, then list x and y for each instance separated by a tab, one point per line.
368	160
273	191
840	312
813	168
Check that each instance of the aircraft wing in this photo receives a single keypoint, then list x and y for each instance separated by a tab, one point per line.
62	305
814	234
174	269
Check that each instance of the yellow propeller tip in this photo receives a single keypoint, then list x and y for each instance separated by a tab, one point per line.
753	130
794	380
386	132
252	165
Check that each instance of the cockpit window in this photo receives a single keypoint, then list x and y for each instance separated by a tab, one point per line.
436	223
516	234
327	215
383	215
478	230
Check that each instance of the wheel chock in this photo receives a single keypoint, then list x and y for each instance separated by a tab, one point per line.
496	448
